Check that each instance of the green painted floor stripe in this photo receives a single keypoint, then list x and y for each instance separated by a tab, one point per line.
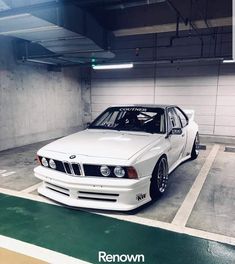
81	234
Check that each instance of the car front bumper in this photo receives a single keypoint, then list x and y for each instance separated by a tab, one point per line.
93	192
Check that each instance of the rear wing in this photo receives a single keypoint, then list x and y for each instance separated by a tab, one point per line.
190	113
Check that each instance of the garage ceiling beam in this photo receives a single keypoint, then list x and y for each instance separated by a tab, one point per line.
124	5
200	24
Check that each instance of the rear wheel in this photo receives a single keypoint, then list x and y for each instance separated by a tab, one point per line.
159	179
195	149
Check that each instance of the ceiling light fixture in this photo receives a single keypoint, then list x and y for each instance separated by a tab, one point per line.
113	66
228	61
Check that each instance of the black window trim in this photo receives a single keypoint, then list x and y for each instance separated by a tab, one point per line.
113	107
183	113
167	117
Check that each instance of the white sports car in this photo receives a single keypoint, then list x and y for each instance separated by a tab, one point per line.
122	160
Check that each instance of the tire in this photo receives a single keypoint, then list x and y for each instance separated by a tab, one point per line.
159	179
195	149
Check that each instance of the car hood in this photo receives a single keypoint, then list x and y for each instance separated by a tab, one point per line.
103	143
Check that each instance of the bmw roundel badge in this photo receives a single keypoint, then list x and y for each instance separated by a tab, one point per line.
72	157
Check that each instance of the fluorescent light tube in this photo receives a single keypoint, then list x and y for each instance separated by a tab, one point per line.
112	66
228	61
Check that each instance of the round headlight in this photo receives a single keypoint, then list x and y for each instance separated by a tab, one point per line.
119	172
105	170
52	164
44	162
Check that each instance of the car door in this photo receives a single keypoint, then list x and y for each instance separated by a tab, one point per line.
184	123
177	142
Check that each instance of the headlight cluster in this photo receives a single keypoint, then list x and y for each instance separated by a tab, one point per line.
48	163
118	172
105	170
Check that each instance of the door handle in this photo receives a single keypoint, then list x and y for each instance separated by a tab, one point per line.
183	135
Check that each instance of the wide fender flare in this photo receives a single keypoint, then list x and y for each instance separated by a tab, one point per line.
146	162
192	132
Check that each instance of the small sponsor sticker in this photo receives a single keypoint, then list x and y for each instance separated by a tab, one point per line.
135	109
140	196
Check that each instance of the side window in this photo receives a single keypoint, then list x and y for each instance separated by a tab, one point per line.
182	117
173	119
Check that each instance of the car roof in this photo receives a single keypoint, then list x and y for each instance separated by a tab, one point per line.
146	105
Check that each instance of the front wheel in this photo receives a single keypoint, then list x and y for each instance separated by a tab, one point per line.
159	179
195	149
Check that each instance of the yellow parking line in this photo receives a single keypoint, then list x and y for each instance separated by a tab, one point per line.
11	257
26	251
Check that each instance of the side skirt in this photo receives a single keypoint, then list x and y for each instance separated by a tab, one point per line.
173	167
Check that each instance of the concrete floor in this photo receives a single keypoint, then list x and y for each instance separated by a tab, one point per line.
21	161
82	235
214	210
180	182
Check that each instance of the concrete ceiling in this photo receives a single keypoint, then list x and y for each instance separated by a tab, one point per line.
70	32
59	28
133	17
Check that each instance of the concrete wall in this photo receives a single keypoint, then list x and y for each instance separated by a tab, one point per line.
208	88
36	104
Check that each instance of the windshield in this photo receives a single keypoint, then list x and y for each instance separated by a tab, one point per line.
143	119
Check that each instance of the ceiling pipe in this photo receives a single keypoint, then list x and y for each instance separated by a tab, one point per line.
126	49
93	2
218	59
186	21
174	60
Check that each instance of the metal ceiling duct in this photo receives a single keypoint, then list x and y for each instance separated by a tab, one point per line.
66	31
3	5
133	4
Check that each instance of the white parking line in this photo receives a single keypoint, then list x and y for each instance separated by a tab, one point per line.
8	173
138	220
37	252
186	208
31	188
2	171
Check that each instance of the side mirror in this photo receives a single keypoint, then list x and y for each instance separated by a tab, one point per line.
176	131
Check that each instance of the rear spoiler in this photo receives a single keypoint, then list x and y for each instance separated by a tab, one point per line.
190	113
